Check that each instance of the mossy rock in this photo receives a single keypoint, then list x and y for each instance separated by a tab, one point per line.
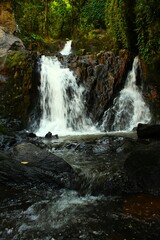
15	59
16	93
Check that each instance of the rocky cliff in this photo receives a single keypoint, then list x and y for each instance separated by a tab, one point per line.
16	72
103	76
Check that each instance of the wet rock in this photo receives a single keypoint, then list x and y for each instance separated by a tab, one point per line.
142	168
148	131
20	89
103	76
48	135
8	142
31	165
32	135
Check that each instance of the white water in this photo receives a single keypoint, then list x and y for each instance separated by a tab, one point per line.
129	108
62	103
63	110
67	48
60	211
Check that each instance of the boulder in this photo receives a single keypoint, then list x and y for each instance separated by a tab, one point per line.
142	168
30	164
7	28
32	135
9	42
148	131
48	135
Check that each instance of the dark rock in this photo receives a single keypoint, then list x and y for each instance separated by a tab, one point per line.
17	45
48	135
103	75
142	168
8	142
32	135
19	93
55	136
148	131
31	165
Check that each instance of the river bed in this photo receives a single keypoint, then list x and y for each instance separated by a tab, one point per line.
41	213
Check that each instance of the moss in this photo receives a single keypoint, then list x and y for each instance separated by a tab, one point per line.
94	42
15	98
3	129
15	59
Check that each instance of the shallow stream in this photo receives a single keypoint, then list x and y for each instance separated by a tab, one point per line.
41	213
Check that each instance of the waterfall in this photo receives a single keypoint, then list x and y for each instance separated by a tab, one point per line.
62	104
129	108
67	48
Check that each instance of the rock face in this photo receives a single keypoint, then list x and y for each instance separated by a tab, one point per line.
8	42
18	86
151	76
103	75
16	72
7	28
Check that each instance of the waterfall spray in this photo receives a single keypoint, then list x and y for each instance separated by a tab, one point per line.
129	108
62	104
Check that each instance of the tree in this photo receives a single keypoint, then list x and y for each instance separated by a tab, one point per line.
147	28
119	17
93	14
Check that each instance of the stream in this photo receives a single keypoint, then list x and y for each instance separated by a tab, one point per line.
42	213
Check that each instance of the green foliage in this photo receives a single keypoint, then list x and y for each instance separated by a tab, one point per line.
116	20
93	14
133	25
36	36
147	28
15	58
59	19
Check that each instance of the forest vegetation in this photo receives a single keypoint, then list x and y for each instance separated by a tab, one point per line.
122	24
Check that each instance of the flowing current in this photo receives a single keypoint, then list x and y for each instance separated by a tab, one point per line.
129	108
63	111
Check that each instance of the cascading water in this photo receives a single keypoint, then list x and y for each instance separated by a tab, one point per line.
129	107
62	103
67	48
63	111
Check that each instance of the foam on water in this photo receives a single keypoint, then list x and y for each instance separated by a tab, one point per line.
62	103
129	108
